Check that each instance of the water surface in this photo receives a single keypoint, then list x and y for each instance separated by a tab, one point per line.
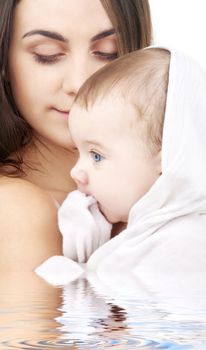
89	314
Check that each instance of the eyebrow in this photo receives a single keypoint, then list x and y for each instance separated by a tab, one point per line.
46	33
103	34
94	143
59	37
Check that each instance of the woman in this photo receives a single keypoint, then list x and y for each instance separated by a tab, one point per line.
48	49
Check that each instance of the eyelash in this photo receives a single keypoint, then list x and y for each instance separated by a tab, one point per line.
47	59
106	56
52	59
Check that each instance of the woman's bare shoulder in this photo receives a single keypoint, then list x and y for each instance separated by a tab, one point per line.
28	222
16	192
25	203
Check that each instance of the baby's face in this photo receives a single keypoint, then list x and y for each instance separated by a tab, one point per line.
114	163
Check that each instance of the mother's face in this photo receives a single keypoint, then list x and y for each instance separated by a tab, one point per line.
55	46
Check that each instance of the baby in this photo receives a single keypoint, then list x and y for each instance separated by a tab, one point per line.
139	125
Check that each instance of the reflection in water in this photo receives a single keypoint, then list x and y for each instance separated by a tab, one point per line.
90	320
93	314
98	316
28	308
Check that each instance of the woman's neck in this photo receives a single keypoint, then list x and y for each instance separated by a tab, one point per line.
48	166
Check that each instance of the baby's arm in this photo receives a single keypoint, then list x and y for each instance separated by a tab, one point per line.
82	225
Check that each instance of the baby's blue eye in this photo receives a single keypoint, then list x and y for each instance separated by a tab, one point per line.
96	156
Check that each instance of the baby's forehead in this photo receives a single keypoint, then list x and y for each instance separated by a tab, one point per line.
104	100
113	108
77	110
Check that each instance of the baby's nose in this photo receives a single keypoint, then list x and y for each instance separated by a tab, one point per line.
79	176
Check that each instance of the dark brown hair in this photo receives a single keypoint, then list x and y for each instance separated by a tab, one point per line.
131	21
14	130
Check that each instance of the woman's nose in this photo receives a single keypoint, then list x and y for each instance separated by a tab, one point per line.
76	74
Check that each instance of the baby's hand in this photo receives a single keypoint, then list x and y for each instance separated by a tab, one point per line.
82	226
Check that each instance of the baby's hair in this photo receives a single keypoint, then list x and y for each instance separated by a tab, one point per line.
141	79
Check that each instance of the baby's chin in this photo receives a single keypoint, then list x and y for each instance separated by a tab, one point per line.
113	218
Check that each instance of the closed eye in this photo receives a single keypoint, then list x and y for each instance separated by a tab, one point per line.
105	56
48	59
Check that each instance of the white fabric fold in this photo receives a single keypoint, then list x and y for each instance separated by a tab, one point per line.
59	270
83	227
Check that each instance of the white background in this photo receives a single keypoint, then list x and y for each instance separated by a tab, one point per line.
180	24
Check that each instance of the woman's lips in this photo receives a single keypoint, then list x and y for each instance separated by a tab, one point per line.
63	113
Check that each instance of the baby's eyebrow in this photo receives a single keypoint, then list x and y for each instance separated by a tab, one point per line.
46	33
92	142
103	34
98	145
